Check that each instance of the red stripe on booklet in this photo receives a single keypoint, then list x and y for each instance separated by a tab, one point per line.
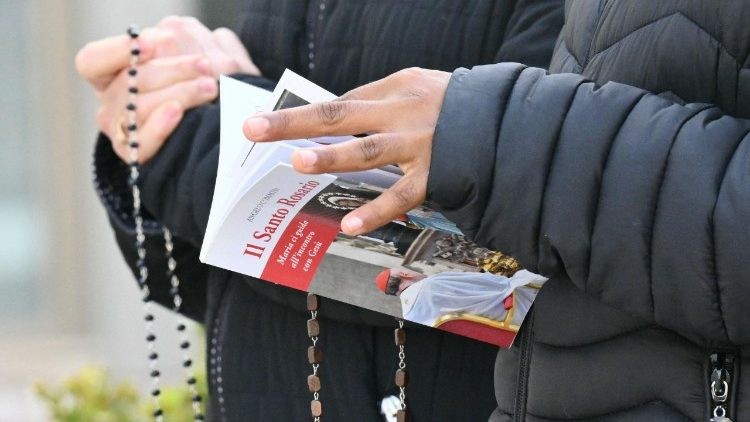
300	250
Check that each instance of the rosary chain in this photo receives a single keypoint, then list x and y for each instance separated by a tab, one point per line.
140	237
134	167
401	377
314	356
187	363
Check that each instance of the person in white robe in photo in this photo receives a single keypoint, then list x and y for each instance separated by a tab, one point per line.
425	299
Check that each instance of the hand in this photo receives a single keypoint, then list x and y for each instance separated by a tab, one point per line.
399	114
179	61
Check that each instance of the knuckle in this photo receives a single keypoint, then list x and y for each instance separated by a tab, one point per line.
369	148
282	122
405	195
82	61
411	73
171	21
328	156
227	64
191	21
349	96
103	118
223	32
416	93
331	113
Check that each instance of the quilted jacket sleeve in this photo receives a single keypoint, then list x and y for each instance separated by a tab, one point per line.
641	202
177	187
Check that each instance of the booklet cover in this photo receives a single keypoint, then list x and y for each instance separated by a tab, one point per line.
270	222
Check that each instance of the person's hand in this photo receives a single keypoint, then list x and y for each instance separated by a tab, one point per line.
399	114
178	63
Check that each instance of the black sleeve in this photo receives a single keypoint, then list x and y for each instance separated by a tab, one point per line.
176	189
531	32
641	202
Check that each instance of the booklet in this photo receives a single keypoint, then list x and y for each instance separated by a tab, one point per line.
271	222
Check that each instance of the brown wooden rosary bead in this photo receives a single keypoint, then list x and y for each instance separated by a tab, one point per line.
314	354
400	336
401	378
313	383
316	408
313	302
313	327
402	416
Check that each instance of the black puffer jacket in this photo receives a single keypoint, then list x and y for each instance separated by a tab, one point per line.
257	338
636	205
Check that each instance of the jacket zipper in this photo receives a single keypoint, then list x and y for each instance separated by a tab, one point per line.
720	385
524	362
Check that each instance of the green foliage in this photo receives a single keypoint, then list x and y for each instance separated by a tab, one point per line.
91	395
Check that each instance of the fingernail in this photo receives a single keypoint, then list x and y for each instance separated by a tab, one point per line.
207	85
257	126
352	224
308	158
203	66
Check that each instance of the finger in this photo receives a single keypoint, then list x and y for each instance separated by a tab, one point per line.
110	117
357	154
232	46
154	132
158	127
189	94
100	61
404	195
321	119
163	72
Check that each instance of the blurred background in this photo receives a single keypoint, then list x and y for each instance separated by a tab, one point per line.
66	297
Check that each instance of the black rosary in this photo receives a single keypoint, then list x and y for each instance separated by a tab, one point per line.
140	237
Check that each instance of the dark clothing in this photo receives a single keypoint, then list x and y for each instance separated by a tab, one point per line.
636	205
256	331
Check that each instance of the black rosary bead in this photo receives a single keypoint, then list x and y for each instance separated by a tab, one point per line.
133	31
130	107
184	344
158	412
187	363
198	417
136	51
149	317
197	399
133	90
132	127
181	327
153	356
155	373
150	337
134	144
191	380
132	71
155	392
